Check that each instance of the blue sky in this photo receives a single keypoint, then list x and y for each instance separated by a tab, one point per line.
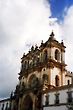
58	7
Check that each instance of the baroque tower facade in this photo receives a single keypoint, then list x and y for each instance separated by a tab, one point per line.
41	68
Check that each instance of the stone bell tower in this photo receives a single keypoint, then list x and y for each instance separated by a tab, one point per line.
56	62
41	68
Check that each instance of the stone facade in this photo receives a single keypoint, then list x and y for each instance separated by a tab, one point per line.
8	103
59	98
43	67
5	104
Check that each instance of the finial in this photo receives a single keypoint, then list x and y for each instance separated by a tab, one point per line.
29	50
42	42
52	34
32	48
11	95
36	47
24	54
62	42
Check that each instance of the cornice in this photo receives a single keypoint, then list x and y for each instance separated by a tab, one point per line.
57	45
48	44
58	88
50	63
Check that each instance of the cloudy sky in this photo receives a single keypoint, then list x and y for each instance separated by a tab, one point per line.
24	23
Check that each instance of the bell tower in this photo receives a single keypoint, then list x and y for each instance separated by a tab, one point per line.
56	61
57	49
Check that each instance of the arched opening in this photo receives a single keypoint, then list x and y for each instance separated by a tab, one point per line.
45	55
57	55
68	82
57	80
25	65
6	108
45	78
37	60
33	81
28	103
38	101
30	81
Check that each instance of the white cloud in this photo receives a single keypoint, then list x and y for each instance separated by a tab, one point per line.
21	23
67	29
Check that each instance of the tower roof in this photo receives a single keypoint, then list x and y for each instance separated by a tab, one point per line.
52	36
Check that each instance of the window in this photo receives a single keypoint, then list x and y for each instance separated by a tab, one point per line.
47	99
45	78
44	69
27	103
41	57
28	63
6	108
38	60
33	81
33	62
69	100
57	98
57	55
57	80
2	106
68	82
25	65
45	56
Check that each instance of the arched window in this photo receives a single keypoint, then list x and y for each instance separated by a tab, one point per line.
25	65
41	57
45	55
31	64
38	60
57	55
68	82
27	103
45	78
57	80
33	81
28	64
47	99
